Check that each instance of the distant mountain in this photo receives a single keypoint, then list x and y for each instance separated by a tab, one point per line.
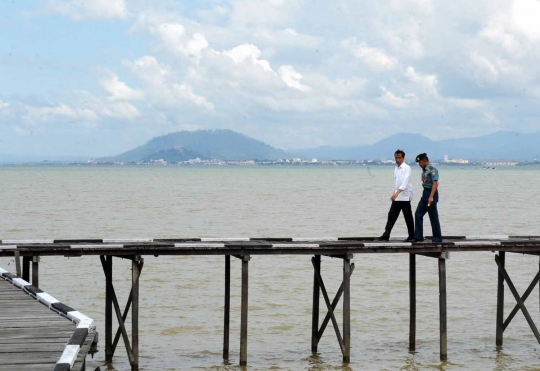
503	145
212	144
174	155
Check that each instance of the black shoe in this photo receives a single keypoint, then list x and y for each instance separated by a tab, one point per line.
382	238
410	239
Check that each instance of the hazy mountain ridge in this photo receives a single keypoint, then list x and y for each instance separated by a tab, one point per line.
502	145
230	145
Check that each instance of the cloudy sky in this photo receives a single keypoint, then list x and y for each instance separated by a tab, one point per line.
98	77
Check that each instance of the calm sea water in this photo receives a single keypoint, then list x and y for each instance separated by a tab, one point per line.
181	311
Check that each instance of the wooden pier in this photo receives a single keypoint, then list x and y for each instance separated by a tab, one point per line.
39	333
246	249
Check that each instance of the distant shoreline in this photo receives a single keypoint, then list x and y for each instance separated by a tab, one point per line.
220	163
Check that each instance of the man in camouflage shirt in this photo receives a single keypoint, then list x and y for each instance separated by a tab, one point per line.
429	200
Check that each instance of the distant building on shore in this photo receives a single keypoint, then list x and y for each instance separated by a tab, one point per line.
500	163
448	160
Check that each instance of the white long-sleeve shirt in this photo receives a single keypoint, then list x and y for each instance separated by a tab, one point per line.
403	181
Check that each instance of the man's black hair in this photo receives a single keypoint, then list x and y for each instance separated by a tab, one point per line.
421	156
399	152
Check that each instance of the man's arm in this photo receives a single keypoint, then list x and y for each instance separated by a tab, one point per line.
433	190
406	179
403	185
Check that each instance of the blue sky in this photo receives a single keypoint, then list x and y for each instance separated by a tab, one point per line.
98	77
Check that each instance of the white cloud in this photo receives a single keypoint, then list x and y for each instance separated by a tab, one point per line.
263	12
525	14
292	78
426	83
120	110
375	58
174	37
36	114
497	31
162	88
248	53
393	100
90	9
422	6
404	38
118	89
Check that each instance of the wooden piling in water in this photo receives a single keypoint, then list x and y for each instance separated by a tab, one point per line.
244	311
315	311
108	307
500	303
26	268
18	269
412	300
347	309
135	274
227	307
35	271
442	309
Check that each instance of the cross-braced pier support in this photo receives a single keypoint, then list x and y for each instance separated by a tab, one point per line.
502	324
111	302
443	344
345	290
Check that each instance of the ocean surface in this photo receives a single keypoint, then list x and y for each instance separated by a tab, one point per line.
181	310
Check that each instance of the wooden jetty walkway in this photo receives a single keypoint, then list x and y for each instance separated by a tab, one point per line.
246	248
39	333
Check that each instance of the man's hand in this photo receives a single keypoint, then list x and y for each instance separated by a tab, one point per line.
430	200
394	196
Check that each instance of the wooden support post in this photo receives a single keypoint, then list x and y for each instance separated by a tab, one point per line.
412	300
135	274
244	311
315	312
442	309
35	271
18	269
347	308
227	307
26	268
500	303
108	308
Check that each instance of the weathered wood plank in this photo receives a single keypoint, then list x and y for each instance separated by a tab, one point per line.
23	358
32	347
35	367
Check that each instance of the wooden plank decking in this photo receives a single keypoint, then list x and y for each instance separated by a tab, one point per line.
264	246
32	336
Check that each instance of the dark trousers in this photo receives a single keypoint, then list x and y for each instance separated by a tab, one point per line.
393	214
431	210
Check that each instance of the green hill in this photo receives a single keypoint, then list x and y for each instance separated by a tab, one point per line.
210	144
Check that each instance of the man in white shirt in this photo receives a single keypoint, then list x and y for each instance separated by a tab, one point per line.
401	198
